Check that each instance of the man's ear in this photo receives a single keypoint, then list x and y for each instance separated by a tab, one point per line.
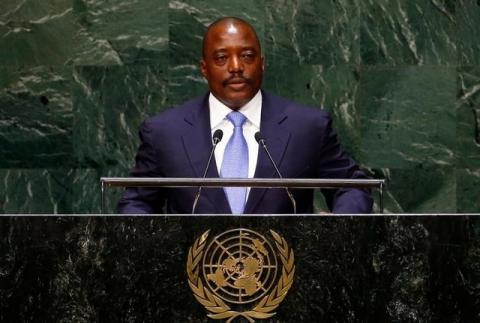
203	68
263	64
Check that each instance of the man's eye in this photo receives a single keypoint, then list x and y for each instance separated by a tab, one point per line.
248	56
220	59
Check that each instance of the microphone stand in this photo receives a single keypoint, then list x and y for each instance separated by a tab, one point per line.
261	141
217	137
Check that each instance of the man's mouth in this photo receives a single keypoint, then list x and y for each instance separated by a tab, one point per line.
236	83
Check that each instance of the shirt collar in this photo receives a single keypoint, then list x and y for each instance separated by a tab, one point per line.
252	110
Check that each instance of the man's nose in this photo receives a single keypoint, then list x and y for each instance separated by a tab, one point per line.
235	65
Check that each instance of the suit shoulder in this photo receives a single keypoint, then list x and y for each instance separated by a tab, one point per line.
299	112
176	113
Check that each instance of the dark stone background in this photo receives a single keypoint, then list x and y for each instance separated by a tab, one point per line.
132	269
77	77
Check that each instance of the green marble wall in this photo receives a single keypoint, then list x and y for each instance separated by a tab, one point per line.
77	77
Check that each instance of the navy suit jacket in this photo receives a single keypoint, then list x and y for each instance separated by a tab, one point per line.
177	143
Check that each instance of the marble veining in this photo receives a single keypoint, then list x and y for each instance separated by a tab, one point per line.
400	79
348	269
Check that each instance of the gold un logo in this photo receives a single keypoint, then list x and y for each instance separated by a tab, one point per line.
237	274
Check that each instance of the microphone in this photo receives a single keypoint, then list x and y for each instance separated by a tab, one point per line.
216	138
261	141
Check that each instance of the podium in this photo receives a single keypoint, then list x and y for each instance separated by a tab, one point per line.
348	268
246	268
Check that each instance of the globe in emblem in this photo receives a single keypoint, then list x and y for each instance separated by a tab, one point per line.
240	266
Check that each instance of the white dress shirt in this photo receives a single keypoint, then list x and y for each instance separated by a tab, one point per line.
253	111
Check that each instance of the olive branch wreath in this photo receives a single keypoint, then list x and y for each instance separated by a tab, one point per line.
217	307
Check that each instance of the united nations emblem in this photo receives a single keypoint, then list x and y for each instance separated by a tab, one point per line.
238	269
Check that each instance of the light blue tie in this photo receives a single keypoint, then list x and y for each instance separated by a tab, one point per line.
235	163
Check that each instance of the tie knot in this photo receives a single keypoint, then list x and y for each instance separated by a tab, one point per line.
236	118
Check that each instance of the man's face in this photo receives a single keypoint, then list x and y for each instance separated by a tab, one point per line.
232	63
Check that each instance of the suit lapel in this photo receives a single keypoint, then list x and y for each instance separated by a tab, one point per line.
197	143
274	130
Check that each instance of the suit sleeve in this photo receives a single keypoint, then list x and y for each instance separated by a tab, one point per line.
334	162
138	200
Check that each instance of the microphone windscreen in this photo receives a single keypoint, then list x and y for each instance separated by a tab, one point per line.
258	136
217	135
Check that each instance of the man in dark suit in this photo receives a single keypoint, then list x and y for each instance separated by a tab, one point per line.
177	142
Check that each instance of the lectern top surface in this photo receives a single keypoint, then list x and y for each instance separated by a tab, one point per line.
246	215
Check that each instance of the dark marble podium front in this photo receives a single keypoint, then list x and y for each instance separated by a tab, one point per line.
378	268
